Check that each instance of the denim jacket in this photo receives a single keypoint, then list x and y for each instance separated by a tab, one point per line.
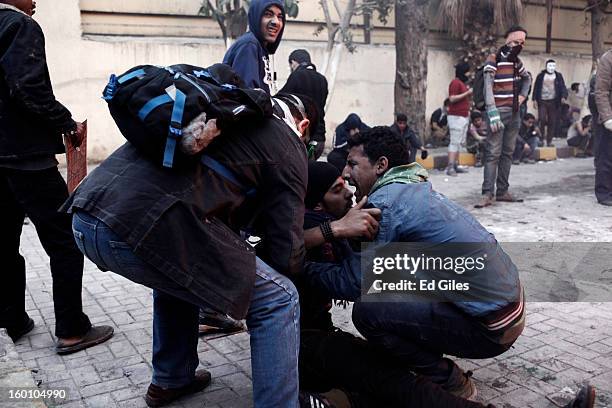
413	212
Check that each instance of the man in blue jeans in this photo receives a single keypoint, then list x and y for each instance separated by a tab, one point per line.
176	231
419	333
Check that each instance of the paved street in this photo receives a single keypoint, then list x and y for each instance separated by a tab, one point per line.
563	345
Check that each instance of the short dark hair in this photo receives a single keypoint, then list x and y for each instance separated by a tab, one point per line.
549	61
446	102
382	141
475	115
401	117
514	29
528	116
575	86
586	119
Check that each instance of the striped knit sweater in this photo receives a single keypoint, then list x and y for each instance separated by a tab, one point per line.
507	81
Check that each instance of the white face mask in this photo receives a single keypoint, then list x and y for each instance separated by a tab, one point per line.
551	67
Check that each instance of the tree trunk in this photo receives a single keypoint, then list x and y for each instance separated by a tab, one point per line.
598	32
480	38
411	31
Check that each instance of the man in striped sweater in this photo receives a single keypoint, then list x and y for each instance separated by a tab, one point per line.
506	86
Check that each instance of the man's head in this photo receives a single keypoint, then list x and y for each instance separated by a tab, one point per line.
303	112
575	87
515	39
272	22
371	154
27	6
401	120
327	190
551	66
476	118
297	58
267	22
529	120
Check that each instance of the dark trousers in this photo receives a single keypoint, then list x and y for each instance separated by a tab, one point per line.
39	194
603	163
370	376
419	334
549	113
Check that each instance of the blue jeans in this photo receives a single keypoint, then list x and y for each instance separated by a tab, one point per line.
273	318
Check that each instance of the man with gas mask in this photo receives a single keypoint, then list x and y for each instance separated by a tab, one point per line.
503	99
549	94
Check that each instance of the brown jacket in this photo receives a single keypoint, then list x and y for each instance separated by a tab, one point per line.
603	87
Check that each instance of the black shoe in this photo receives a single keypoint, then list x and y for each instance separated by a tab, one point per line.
607	203
212	322
459	170
16	334
584	399
158	397
96	335
314	400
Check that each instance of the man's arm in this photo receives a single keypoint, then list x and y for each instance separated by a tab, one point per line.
414	140
24	65
603	87
281	221
246	65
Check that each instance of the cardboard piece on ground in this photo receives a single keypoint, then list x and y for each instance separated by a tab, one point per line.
547	153
427	163
76	161
467	159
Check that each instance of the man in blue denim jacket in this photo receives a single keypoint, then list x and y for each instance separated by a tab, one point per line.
420	333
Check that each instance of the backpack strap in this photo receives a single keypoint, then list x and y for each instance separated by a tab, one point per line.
134	74
227	174
175	130
152	104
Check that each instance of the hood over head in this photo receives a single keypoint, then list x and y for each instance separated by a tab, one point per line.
256	11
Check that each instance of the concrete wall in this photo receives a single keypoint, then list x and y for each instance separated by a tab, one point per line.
80	67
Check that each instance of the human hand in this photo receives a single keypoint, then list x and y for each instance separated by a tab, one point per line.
199	134
358	222
495	120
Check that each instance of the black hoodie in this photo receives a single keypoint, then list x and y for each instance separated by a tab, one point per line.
248	56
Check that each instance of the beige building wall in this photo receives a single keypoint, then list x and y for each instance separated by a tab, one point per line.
122	34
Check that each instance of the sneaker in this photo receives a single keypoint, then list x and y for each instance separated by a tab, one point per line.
607	203
157	396
485	201
460	383
529	161
584	399
451	172
516	162
508	198
478	164
459	170
314	400
212	322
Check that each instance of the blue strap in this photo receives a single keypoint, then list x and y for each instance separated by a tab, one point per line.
152	104
226	173
131	75
111	88
175	131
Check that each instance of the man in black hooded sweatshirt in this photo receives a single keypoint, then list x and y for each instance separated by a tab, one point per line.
305	80
249	56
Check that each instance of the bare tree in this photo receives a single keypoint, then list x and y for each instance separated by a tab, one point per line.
231	15
476	23
339	35
411	33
